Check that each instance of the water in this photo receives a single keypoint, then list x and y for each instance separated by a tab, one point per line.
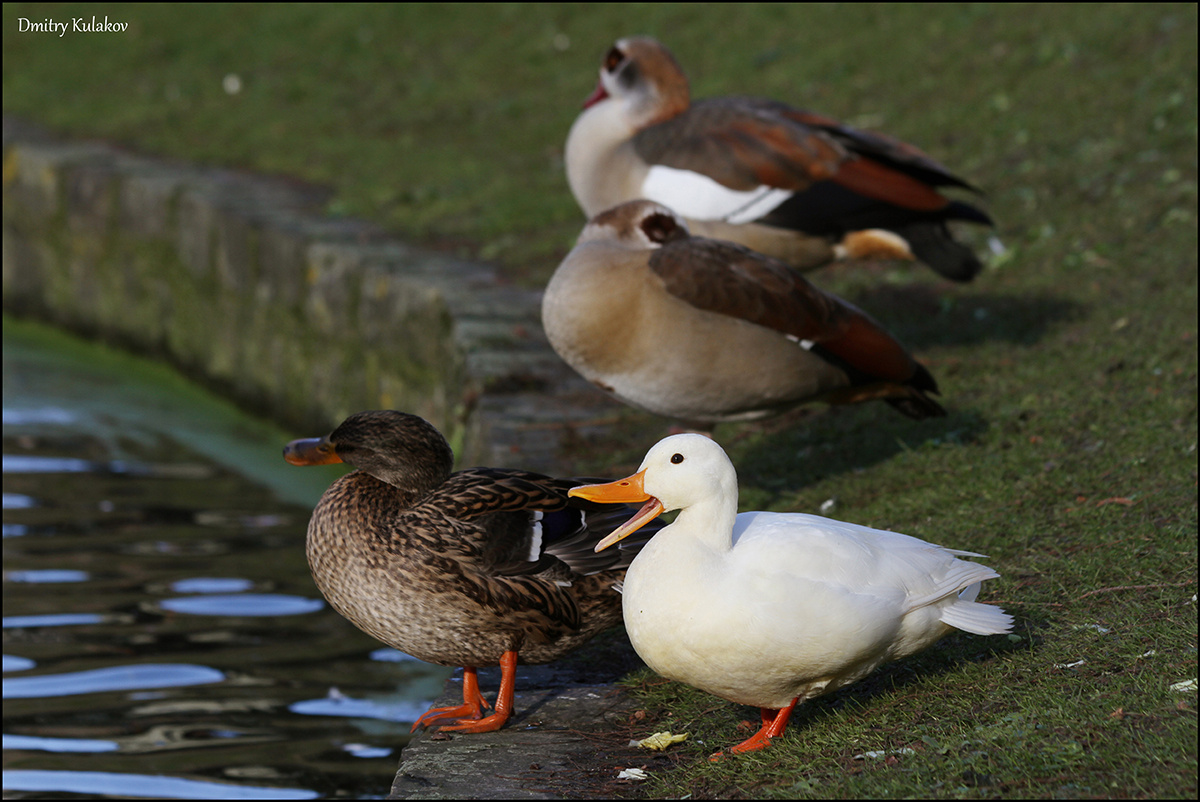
162	636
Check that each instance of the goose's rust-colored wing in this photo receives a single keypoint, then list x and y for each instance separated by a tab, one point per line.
744	143
730	280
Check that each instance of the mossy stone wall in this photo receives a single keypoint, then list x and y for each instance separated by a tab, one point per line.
241	282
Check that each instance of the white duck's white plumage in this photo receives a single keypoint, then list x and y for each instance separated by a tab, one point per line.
770	609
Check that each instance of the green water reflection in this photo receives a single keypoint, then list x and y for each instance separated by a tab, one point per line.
160	621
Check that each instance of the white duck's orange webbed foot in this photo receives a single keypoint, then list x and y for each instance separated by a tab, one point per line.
774	723
758	740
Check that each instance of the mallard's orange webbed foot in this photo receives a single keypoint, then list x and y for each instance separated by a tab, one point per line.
472	707
489	724
504	701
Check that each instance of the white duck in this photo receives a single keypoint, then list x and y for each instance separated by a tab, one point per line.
769	609
786	182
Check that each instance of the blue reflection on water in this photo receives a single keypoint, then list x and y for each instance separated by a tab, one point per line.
244	604
14	463
40	744
114	678
16	501
208	584
47	575
141	785
337	704
365	751
390	655
14	663
51	620
38	415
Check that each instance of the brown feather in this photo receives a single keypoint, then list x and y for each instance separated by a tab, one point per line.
704	330
842	179
726	140
444	567
875	180
731	280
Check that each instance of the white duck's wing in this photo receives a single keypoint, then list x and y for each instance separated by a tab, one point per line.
862	562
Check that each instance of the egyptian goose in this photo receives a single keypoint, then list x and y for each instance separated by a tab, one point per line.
481	567
706	331
774	178
770	609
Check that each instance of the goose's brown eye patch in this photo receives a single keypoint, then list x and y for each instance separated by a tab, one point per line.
613	59
659	227
676	458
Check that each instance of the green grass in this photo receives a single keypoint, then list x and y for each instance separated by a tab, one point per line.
1068	367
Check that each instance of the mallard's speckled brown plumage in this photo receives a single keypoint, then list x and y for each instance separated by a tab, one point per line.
467	569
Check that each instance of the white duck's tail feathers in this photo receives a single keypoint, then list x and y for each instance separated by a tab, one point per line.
961	553
955	595
970	593
959	574
976	618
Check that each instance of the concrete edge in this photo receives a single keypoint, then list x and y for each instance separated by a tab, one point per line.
242	282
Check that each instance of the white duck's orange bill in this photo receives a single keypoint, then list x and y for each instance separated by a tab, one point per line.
622	491
644	516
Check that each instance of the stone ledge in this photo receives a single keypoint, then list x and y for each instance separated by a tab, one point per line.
240	281
568	737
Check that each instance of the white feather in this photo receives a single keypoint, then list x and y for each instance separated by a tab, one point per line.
535	542
699	197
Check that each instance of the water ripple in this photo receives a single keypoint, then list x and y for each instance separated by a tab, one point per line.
17	501
210	584
51	620
113	678
244	604
13	662
107	783
347	707
47	575
39	415
40	744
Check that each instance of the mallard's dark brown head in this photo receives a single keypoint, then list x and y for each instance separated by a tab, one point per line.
403	450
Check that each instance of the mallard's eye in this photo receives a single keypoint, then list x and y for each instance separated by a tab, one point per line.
676	459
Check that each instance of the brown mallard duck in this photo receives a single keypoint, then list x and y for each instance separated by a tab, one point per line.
482	567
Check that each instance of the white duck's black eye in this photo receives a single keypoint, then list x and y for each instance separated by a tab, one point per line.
676	459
